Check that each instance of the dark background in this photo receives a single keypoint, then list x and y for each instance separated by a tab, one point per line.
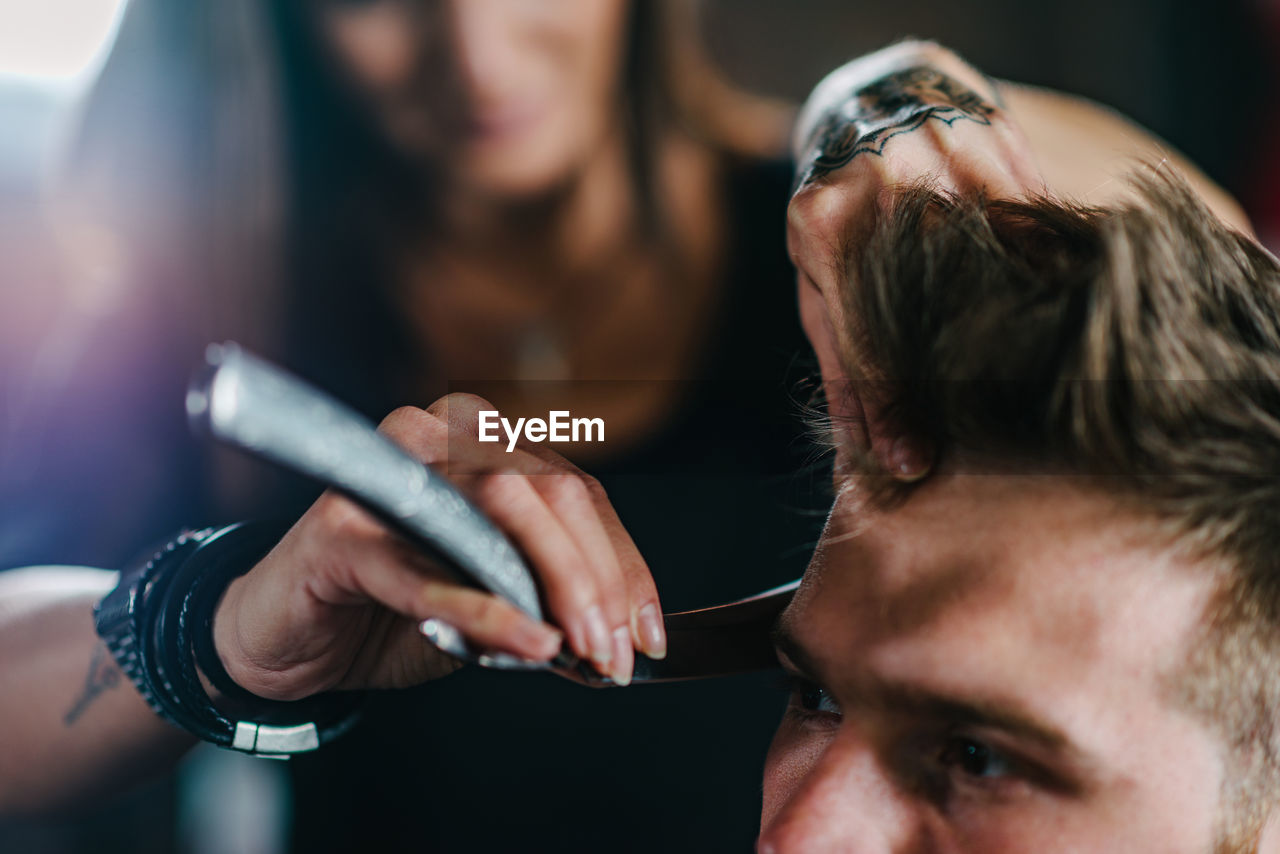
1205	76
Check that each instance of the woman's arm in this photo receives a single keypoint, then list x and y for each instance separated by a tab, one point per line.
334	606
1084	149
74	727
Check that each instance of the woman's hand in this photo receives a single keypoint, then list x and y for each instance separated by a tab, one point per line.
336	605
909	113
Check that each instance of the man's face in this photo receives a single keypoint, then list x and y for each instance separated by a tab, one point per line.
989	667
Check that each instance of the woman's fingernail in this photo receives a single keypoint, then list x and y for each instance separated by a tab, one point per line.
653	637
623	656
601	647
539	640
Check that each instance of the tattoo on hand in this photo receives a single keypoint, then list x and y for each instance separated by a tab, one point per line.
895	104
103	675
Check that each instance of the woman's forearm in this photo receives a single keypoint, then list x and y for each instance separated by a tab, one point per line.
72	725
1082	148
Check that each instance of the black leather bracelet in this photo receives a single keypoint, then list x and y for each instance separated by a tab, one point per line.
158	618
120	618
211	569
186	627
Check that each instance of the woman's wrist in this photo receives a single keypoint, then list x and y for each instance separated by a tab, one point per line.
224	631
158	625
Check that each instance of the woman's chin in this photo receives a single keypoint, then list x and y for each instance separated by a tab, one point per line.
511	179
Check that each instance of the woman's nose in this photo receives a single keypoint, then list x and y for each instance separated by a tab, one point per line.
846	803
485	49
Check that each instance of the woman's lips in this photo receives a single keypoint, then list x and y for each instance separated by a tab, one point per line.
494	124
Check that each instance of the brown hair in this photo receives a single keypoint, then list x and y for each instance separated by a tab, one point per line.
221	182
244	187
1138	346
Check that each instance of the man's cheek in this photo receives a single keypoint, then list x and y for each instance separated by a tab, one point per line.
792	755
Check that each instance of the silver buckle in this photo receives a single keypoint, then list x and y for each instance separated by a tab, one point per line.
274	742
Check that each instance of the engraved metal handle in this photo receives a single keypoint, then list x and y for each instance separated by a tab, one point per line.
253	405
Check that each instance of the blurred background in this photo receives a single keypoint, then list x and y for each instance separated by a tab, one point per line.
1203	75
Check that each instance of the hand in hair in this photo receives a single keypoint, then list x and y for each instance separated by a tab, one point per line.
916	113
905	113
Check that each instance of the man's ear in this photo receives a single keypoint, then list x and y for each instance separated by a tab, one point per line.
867	439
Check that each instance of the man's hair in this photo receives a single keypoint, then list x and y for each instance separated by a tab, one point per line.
1138	346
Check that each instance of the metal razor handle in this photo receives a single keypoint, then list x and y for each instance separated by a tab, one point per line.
247	402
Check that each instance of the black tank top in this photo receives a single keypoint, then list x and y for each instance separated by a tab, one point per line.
721	505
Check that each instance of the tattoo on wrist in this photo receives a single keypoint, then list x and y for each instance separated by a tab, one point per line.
103	675
893	105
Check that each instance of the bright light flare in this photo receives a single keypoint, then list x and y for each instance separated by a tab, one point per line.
55	39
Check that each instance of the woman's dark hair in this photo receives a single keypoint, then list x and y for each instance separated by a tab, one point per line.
338	164
251	199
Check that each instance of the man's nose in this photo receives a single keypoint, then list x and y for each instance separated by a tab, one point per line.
847	802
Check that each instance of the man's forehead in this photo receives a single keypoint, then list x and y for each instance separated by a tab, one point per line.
1036	609
997	567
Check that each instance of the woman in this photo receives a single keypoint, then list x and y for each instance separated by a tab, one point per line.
397	198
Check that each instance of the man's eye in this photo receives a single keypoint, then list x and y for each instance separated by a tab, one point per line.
811	699
972	758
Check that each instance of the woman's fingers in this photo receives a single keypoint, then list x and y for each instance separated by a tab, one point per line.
551	518
486	620
988	154
628	589
567	580
596	585
569	499
355	589
644	610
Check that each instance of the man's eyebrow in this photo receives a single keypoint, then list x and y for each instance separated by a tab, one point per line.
921	702
785	642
